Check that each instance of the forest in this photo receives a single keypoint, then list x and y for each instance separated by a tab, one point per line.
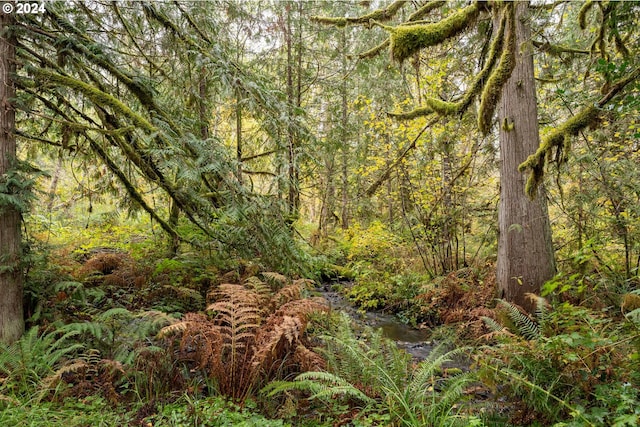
320	213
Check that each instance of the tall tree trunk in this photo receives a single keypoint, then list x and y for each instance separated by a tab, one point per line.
293	198
328	195
11	310
344	121
525	250
239	142
447	235
54	184
388	160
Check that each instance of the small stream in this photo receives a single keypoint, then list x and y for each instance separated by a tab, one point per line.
414	341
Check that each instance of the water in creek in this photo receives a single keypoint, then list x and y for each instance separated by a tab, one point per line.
415	341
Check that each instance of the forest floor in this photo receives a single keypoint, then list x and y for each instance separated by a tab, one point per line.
126	335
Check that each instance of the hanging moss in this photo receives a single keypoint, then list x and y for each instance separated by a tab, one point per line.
558	139
425	10
329	20
380	15
582	15
374	51
418	14
413	114
493	88
409	39
479	80
445	108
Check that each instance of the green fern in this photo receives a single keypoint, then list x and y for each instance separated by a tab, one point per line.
374	372
541	310
321	385
492	324
526	327
34	357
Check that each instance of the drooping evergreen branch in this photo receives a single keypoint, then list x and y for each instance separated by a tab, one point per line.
192	23
89	48
95	95
125	142
131	190
129	31
97	148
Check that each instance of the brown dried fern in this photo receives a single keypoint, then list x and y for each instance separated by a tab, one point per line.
288	293
235	347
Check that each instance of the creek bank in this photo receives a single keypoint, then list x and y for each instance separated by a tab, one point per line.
414	341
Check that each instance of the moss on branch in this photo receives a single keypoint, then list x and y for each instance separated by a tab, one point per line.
406	40
559	140
95	95
425	10
557	50
380	15
374	51
560	137
413	114
434	105
493	88
582	15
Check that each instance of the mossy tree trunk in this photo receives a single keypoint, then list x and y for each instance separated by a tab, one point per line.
525	251
11	311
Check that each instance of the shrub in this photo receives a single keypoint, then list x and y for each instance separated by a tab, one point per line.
250	336
560	364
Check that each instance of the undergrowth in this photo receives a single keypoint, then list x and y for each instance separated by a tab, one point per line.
372	378
567	365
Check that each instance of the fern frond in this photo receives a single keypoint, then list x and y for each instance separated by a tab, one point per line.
492	324
526	326
303	308
304	283
307	359
259	287
286	294
185	293
321	385
52	380
97	330
430	367
113	313
541	310
173	329
276	280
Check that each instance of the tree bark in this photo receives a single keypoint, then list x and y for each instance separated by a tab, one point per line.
11	309
293	197
344	122
525	250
